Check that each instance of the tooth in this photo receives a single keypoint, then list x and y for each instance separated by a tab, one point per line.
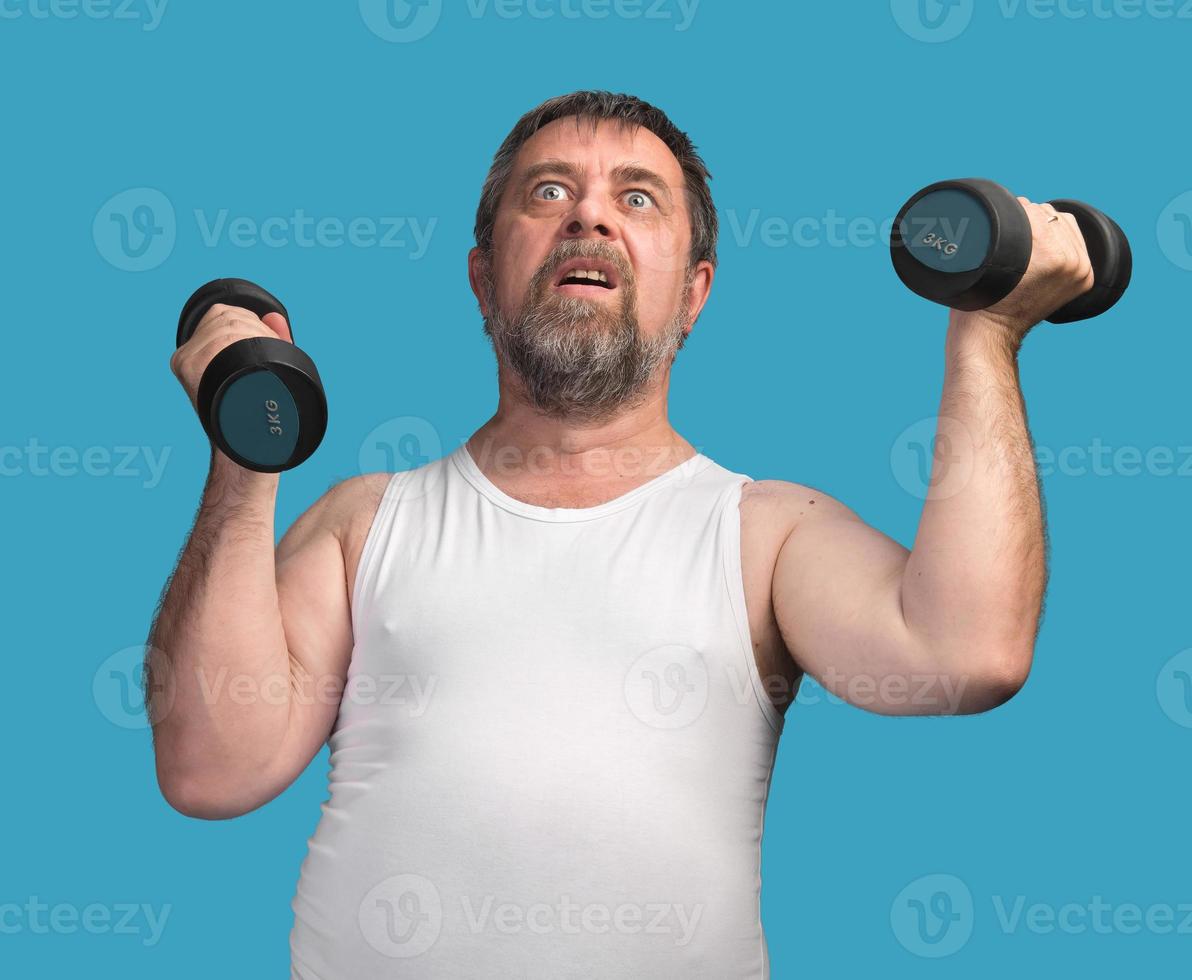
602	276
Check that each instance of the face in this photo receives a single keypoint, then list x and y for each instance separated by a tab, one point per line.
587	295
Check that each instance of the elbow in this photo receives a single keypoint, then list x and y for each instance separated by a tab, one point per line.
200	802
1001	676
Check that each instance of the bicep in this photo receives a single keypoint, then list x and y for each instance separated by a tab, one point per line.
836	591
316	616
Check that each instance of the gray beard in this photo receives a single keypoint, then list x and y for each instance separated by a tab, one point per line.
578	359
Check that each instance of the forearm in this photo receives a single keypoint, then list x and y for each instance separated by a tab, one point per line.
219	676
973	586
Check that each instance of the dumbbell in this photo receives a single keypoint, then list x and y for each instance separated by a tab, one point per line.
260	399
967	244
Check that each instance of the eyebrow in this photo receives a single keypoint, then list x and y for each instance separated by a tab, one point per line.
625	173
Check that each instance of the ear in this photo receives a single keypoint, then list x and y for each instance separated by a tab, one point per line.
479	273
700	288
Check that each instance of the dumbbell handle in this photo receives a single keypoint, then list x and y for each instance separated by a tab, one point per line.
231	292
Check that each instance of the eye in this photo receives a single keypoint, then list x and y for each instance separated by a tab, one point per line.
639	200
550	192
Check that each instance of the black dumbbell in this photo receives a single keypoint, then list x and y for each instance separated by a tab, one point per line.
260	399
967	244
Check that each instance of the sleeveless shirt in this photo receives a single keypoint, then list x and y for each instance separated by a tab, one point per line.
554	750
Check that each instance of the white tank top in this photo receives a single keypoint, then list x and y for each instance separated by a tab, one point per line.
554	752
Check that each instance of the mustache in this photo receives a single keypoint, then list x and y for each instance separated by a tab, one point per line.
580	248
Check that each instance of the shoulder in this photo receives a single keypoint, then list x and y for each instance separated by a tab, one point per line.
777	507
341	510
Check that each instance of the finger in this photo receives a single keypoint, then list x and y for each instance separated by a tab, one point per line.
277	323
222	311
212	346
1081	246
1067	233
231	319
1038	219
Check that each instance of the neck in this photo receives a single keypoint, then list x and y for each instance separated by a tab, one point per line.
519	444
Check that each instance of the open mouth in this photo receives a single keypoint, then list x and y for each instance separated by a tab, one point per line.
584	276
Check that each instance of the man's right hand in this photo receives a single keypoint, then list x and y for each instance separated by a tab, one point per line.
220	327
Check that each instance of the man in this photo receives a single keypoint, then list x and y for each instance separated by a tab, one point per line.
553	665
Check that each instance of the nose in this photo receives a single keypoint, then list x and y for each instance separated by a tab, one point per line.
589	219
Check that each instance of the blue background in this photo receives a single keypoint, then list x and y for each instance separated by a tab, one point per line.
810	363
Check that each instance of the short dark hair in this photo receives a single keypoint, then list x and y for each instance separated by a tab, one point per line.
630	112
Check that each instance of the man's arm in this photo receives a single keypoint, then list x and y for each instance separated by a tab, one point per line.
250	646
950	626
